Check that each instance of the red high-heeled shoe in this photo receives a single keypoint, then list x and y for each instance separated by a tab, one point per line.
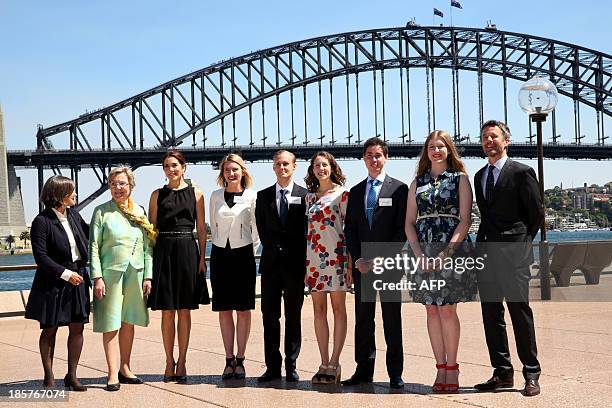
452	387
438	386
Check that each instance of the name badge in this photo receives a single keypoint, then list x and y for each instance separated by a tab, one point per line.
385	202
239	200
421	189
294	200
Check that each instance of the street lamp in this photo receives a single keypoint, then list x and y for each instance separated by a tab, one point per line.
538	97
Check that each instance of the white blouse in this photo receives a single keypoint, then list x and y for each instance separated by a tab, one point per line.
74	250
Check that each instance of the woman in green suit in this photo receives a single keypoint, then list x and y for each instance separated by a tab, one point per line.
120	256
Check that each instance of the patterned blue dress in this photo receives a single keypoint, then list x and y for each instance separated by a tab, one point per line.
437	217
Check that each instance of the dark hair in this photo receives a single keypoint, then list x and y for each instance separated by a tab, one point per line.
312	183
496	123
54	191
177	155
376	141
453	159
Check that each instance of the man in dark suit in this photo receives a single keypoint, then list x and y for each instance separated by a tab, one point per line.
508	198
375	214
281	221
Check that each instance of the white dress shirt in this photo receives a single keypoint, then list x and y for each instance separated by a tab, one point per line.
498	165
289	189
74	250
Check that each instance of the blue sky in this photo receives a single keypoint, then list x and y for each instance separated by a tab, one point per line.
60	58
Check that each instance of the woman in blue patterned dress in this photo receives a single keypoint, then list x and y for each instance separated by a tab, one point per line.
327	259
438	218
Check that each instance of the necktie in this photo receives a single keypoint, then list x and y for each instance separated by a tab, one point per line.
283	211
371	200
490	184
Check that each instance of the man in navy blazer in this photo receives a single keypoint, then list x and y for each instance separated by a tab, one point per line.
508	197
281	221
376	213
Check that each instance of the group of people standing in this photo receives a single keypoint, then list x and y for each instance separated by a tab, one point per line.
316	237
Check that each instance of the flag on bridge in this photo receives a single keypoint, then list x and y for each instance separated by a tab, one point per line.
438	12
455	3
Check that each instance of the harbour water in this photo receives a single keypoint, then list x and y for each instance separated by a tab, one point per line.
22	280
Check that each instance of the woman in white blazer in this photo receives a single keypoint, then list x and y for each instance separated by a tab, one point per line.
232	259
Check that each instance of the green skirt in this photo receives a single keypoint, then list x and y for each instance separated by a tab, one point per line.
124	301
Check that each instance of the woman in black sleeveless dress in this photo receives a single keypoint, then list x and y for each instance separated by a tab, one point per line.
179	266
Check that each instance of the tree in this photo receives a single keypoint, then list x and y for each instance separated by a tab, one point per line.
25	237
10	240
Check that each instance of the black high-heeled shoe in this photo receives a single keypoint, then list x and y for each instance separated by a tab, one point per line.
171	378
73	383
128	380
240	363
181	379
229	363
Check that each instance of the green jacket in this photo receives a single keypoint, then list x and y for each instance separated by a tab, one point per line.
115	243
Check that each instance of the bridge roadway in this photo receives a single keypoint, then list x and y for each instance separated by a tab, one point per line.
96	158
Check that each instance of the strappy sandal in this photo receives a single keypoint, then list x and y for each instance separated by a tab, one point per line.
231	364
440	386
321	376
452	387
334	372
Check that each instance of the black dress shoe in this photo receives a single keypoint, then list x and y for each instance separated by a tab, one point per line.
532	388
357	379
292	376
396	382
113	387
495	383
73	383
129	380
269	375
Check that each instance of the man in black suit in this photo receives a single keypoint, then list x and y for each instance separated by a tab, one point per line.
281	221
508	198
376	211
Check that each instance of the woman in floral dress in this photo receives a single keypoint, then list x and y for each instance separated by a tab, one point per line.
327	259
438	218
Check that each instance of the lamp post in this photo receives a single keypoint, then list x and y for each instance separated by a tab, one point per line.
538	97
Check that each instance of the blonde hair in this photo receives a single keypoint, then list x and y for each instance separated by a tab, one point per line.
122	170
246	180
453	159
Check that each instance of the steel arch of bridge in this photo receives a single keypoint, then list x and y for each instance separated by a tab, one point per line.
580	73
169	114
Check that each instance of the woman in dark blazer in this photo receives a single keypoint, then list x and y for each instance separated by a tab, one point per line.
60	291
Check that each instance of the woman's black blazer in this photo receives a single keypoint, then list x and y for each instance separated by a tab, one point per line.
51	247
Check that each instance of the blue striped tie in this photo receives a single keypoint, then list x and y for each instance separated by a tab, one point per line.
371	199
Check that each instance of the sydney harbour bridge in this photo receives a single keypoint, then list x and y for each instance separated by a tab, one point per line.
332	93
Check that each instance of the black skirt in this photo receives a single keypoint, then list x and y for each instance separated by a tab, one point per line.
176	282
232	278
61	304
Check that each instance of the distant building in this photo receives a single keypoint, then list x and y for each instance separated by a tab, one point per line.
12	219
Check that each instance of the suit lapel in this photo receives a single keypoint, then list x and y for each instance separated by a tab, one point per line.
478	183
501	179
360	193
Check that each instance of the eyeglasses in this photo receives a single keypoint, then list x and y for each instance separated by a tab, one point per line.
119	184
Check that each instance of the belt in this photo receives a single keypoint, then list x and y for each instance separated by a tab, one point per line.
175	234
436	215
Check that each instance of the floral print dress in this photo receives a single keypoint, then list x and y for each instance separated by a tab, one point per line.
438	215
326	252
